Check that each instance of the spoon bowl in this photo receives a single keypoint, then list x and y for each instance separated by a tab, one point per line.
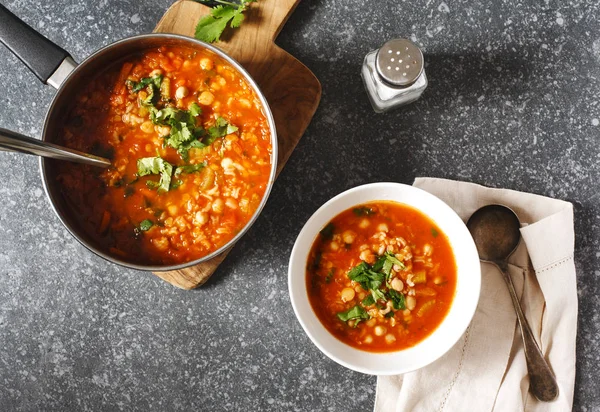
495	230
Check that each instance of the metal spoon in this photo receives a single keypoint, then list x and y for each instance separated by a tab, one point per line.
15	142
495	230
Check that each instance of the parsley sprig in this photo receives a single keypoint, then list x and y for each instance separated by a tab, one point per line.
210	28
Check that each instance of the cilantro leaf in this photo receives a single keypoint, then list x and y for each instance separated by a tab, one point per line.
210	28
434	232
189	169
146	225
356	312
378	295
145	82
397	299
363	211
221	129
327	231
195	109
368	301
155	166
395	261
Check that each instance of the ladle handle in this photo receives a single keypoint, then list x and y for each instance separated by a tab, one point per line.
542	382
38	53
15	142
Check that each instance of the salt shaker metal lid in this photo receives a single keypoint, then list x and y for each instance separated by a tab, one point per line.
399	62
394	75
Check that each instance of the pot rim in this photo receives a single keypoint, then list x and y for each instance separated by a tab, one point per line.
274	150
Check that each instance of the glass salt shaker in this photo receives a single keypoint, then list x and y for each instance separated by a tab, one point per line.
394	75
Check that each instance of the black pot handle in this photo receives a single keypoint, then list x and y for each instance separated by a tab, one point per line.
38	53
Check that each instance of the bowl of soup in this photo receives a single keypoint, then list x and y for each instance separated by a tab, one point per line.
384	278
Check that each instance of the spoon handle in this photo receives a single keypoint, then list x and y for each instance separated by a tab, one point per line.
14	142
542	381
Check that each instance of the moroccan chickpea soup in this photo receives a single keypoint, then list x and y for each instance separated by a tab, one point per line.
381	276
190	146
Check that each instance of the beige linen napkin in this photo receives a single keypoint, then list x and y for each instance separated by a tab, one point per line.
486	370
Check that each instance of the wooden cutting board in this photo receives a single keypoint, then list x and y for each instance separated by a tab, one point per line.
292	90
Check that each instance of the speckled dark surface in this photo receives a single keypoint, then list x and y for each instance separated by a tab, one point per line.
512	102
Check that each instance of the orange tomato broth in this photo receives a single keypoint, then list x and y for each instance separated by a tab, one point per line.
209	206
373	225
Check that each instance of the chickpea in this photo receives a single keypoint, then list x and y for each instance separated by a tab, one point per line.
348	236
206	64
218	206
389	338
155	72
231	203
380	330
172	209
368	339
411	302
383	227
147	127
364	224
427	250
397	284
347	294
367	256
371	322
206	98
334	246
181	92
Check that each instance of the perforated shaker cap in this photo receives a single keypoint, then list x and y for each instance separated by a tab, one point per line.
399	62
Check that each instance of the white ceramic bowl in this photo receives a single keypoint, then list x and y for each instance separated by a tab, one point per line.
452	327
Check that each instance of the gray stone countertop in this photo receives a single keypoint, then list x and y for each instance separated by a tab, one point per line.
512	102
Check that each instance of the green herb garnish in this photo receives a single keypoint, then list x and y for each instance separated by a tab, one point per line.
327	231
189	168
145	82
397	299
146	225
210	28
363	211
156	166
329	276
434	232
357	312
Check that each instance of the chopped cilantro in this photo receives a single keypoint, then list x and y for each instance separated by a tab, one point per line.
128	191
395	261
221	129
146	225
189	168
434	232
327	231
356	312
195	109
155	166
329	276
378	295
397	299
368	301
145	82
363	211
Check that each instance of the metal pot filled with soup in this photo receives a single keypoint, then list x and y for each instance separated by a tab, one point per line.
190	137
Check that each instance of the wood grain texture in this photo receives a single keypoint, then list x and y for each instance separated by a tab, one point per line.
292	90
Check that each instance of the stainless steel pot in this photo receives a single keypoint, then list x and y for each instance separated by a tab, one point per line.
53	65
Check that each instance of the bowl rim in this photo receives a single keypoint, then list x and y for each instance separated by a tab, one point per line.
313	326
190	42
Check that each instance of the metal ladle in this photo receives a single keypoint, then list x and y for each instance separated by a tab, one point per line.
495	230
14	142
